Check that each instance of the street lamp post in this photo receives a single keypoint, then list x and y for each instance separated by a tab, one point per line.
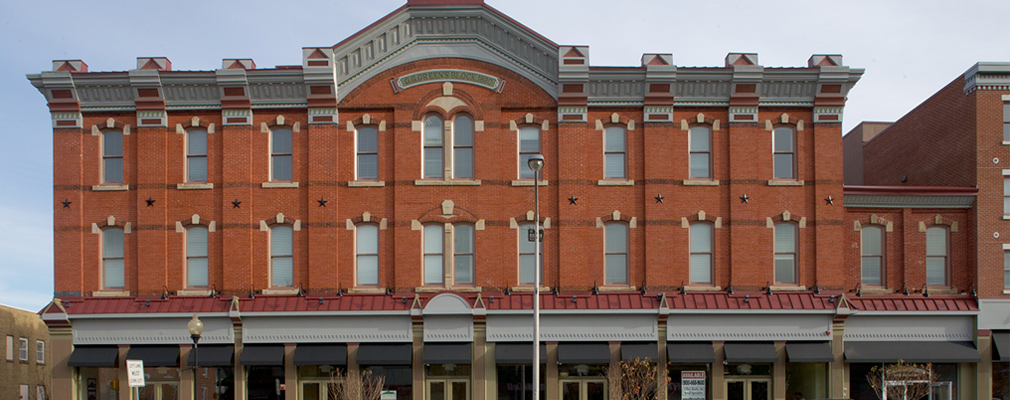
195	330
536	163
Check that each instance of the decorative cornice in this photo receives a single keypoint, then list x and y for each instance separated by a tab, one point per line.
987	76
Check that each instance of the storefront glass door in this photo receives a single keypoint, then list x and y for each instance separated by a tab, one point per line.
583	389
748	388
448	389
159	391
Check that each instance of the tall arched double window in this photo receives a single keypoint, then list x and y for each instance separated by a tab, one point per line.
461	266
454	148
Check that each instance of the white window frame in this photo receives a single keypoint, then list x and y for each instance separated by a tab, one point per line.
881	256
692	152
1006	193
23	349
457	147
607	153
106	258
624	251
433	232
710	253
447	235
1006	119
440	172
191	156
795	254
274	257
780	129
274	154
458	254
190	257
523	237
1006	268
945	256
359	254
524	172
40	352
107	156
358	152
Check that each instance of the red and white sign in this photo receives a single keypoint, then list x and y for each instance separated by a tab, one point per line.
692	385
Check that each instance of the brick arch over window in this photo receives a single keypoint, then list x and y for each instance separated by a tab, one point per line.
699	119
194	122
786	216
784	119
617	216
366	218
447	213
530	120
938	220
616	119
446	101
366	119
873	219
514	222
110	123
685	222
280	219
195	220
280	120
111	221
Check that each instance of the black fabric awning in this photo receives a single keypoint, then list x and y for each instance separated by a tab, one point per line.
584	353
263	354
94	356
213	356
809	352
447	353
518	353
385	354
690	353
155	356
321	354
751	352
1001	343
641	351
910	351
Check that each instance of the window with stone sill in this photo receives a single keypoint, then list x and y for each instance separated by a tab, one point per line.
196	155
453	147
615	243
23	349
786	253
197	257
872	255
701	253
112	157
700	152
281	256
937	256
529	145
366	256
113	259
460	266
615	152
367	145
281	154
784	152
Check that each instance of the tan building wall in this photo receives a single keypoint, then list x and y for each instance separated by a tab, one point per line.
15	370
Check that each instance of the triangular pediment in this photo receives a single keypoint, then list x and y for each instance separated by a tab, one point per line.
468	31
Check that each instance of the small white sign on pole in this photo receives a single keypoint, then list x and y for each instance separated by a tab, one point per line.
692	385
135	371
388	395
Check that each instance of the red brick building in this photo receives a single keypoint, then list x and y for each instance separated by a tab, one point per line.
369	209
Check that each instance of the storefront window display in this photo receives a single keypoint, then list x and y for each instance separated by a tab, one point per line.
515	382
811	379
944	388
264	382
99	383
689	380
1001	380
398	378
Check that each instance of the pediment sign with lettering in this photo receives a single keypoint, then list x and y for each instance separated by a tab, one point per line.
449	75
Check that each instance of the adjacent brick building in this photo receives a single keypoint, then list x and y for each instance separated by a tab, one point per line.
25	369
371	208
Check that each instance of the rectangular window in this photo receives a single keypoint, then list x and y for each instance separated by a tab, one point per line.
785	253
112	157
281	256
529	145
281	150
41	392
614	153
462	147
113	260
701	253
1006	195
196	257
616	244
196	155
1006	121
463	257
368	153
433	235
433	128
527	256
1006	269
23	349
784	149
40	352
936	256
367	247
872	245
700	143
10	348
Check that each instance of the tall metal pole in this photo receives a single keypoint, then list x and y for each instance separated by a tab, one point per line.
536	163
195	327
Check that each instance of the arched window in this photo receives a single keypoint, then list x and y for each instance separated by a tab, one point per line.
784	152
366	237
937	256
615	152
462	147
529	144
872	248
367	138
700	144
281	256
113	259
112	156
433	131
616	253
527	255
701	253
786	255
433	254
281	151
196	155
196	256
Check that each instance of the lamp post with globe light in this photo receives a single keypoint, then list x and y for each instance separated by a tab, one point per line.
536	163
195	330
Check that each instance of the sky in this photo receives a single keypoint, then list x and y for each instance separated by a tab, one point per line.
909	49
